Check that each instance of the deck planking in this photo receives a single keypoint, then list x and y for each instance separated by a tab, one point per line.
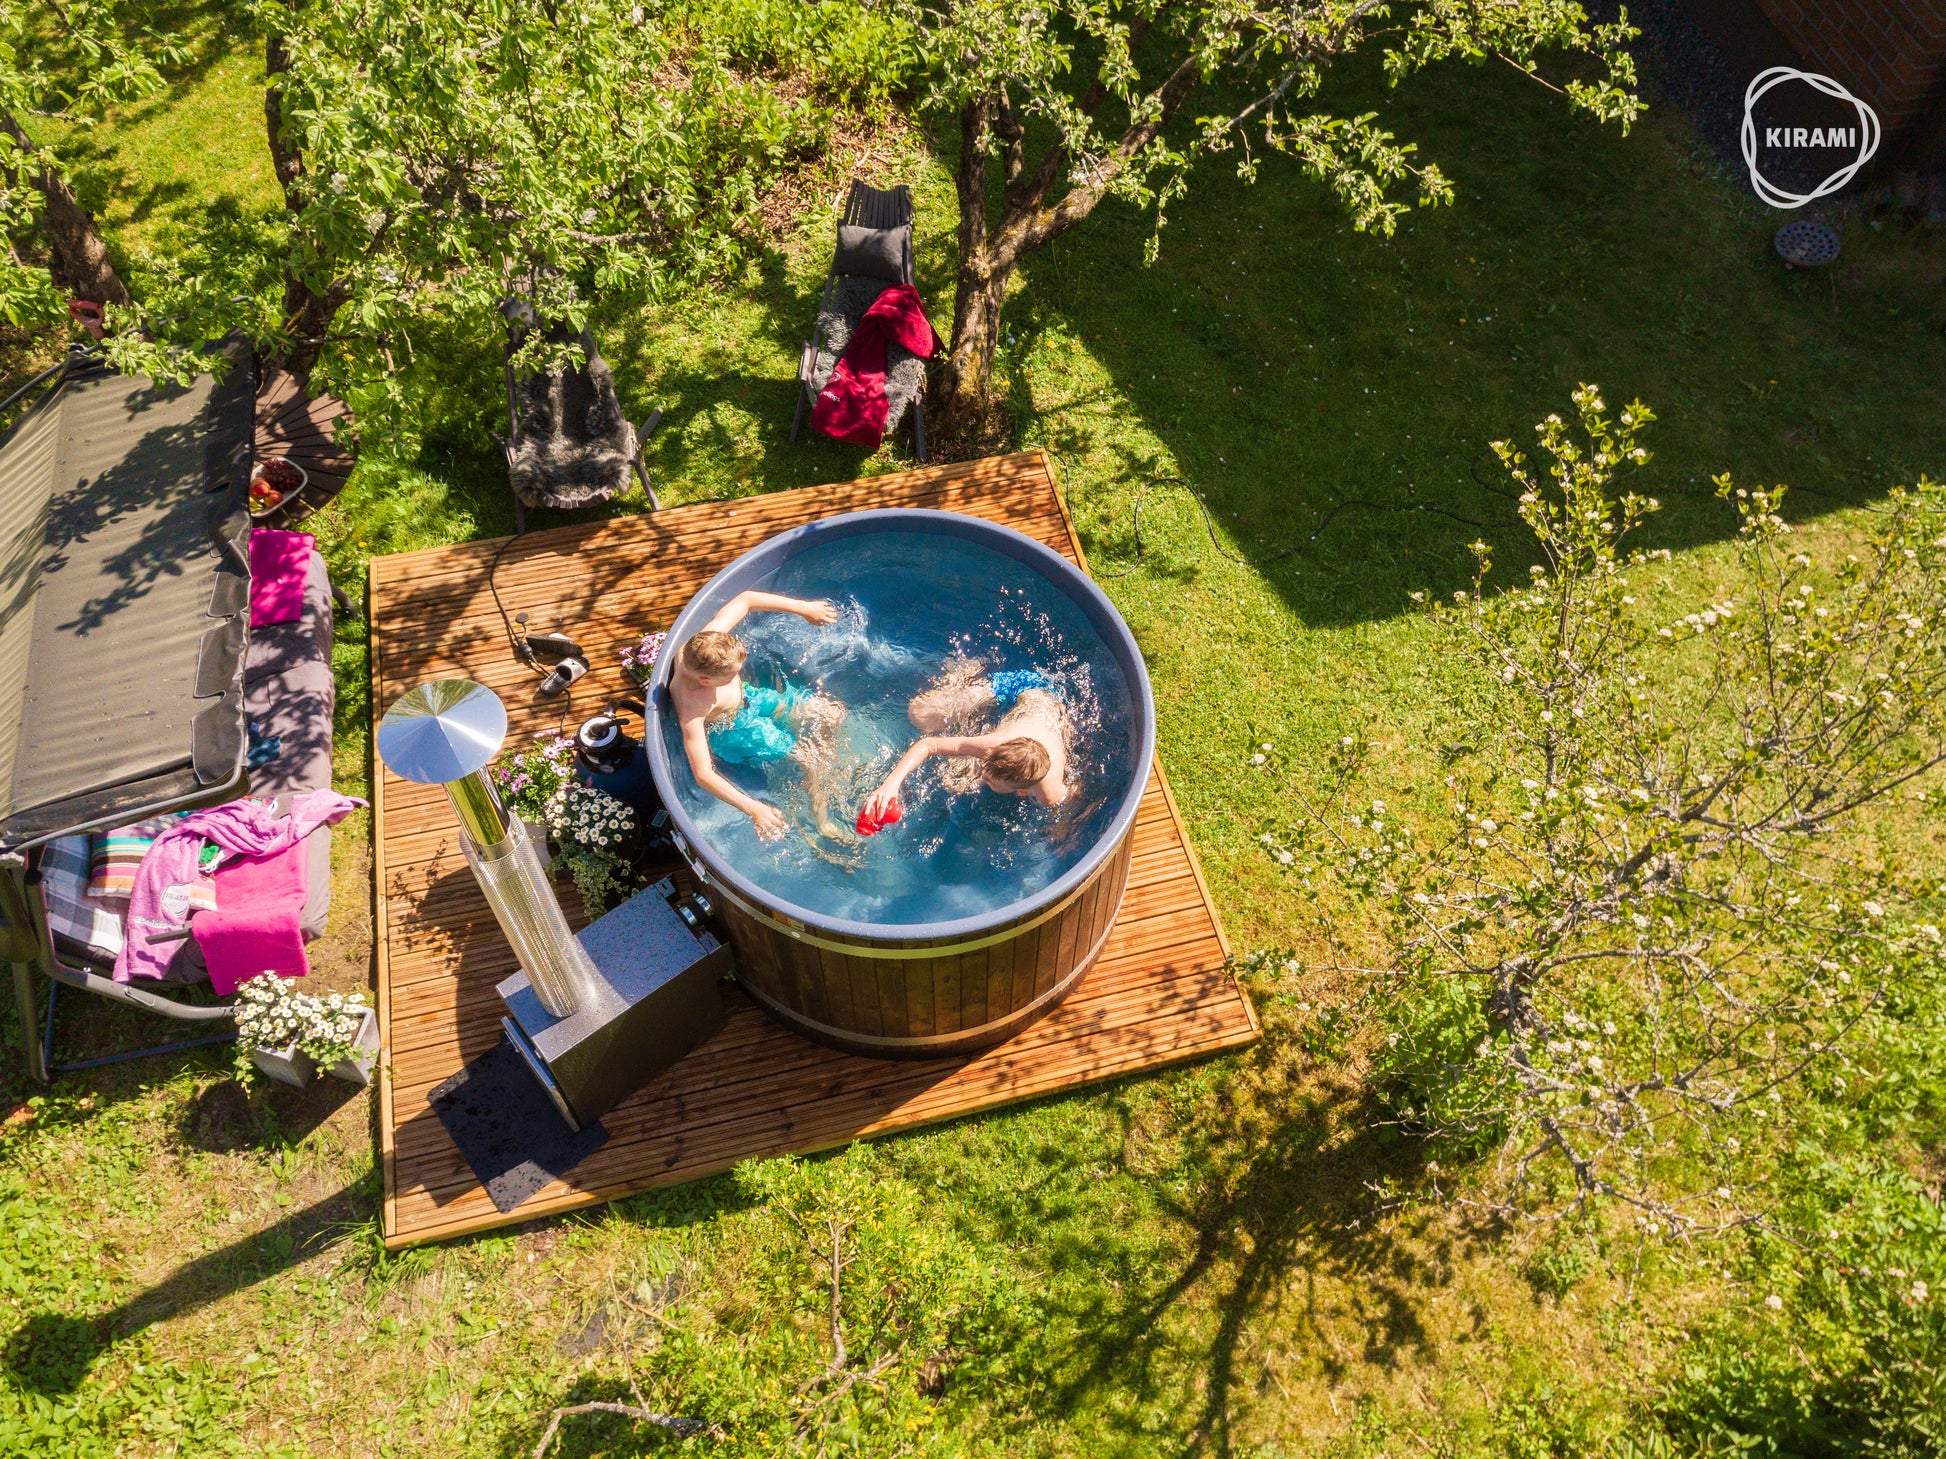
1160	994
313	431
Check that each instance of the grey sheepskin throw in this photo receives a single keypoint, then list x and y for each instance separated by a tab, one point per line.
905	372
570	445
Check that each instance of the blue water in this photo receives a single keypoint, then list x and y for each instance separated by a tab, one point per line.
908	603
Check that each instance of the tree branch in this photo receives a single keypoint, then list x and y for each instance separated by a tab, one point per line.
1033	227
682	1428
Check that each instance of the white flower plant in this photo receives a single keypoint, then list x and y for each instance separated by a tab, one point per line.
1671	889
272	1015
592	832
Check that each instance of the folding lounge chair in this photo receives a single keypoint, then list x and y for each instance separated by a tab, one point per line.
874	251
567	443
130	682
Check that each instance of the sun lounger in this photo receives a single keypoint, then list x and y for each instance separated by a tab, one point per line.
873	252
567	443
128	674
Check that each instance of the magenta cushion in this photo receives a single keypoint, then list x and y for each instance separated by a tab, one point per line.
279	562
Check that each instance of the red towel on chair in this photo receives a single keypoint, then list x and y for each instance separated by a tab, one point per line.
852	405
279	562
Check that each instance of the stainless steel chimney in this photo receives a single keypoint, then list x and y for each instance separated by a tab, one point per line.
446	733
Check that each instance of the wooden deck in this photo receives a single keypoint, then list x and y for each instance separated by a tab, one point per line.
1160	994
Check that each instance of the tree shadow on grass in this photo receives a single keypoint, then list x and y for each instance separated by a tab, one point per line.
1277	1173
728	420
52	1353
1290	367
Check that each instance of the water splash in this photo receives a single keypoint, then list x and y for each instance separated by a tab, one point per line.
908	605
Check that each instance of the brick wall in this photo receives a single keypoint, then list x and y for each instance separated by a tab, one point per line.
1890	53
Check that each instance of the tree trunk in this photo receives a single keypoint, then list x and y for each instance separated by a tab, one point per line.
962	394
962	404
307	312
965	406
307	319
80	258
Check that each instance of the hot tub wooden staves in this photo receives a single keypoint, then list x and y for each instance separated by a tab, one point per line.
918	999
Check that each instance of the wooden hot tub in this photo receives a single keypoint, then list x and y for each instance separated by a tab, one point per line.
923	989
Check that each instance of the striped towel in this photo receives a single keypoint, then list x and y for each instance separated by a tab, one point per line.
114	855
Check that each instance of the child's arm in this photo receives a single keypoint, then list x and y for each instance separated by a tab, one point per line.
695	741
977	746
819	610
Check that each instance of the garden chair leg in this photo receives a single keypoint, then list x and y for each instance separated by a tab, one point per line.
30	1023
642	434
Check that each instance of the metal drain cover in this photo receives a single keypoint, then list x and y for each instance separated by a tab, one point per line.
1806	245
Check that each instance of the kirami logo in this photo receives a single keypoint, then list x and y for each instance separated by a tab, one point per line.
1813	137
1864	137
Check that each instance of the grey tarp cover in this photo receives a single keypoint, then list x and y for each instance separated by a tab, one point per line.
124	599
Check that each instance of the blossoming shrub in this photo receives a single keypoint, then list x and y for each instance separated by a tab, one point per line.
1427	1069
1848	1354
1672	887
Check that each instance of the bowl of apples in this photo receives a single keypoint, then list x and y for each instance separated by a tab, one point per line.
275	482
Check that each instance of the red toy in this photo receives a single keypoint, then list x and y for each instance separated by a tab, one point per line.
871	825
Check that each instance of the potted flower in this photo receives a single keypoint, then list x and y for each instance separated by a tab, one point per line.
288	1036
595	834
530	780
638	659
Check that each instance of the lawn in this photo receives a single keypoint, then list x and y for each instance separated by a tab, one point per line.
189	1270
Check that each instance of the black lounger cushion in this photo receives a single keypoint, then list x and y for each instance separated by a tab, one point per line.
873	253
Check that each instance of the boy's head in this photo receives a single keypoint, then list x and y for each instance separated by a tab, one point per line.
1017	766
714	655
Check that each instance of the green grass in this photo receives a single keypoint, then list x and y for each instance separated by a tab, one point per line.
1213	1278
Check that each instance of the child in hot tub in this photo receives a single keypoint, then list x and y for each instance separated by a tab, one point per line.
1025	754
722	718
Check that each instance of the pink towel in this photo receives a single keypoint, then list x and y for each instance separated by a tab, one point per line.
277	878
852	406
239	827
279	562
240	945
255	896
